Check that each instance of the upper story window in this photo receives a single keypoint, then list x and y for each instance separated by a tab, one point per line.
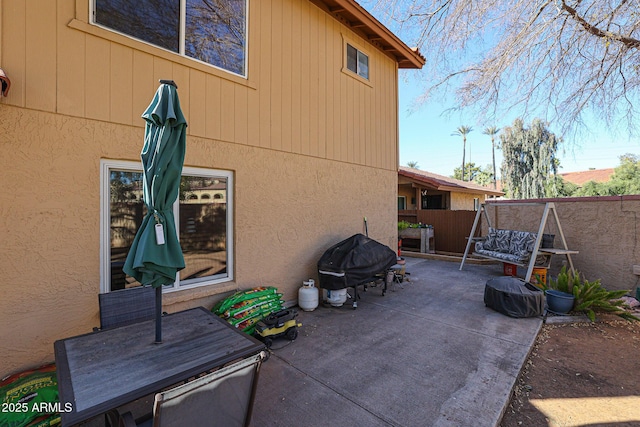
211	31
357	61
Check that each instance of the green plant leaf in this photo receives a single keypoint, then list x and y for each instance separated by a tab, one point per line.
629	316
590	296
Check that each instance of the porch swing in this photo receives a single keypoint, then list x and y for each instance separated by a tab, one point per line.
537	249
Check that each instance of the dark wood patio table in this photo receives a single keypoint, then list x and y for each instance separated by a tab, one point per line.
103	370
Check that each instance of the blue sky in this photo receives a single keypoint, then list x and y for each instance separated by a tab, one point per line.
426	137
426	134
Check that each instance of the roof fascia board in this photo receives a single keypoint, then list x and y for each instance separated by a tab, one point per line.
382	31
410	58
424	181
471	190
436	185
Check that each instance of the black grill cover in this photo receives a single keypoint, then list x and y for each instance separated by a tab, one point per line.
353	261
514	297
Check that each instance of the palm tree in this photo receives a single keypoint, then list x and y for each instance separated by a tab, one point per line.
463	131
412	164
492	131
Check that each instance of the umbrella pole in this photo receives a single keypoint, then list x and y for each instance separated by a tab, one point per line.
159	315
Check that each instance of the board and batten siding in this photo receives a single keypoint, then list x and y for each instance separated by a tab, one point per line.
313	149
296	97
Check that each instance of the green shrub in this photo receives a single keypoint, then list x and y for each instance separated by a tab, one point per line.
402	225
564	282
590	297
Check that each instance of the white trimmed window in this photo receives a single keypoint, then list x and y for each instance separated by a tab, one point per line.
214	32
204	225
402	203
357	62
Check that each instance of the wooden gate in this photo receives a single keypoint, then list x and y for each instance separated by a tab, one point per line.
450	228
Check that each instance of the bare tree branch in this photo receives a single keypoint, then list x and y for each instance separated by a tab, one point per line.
566	61
627	41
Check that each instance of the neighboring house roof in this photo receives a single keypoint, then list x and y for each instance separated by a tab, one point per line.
354	15
444	183
582	177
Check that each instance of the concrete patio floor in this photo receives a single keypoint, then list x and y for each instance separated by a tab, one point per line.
429	353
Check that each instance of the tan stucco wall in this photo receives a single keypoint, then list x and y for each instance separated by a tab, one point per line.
288	210
409	193
304	103
312	148
454	201
606	231
464	201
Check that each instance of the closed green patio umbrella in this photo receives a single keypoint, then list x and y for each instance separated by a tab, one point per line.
155	255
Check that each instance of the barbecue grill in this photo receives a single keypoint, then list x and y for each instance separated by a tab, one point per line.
356	261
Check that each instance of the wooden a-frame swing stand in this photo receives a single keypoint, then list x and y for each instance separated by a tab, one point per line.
549	207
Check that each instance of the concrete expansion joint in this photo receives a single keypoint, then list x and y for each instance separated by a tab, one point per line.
342	395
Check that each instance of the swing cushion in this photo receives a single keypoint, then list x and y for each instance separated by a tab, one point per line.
522	243
507	245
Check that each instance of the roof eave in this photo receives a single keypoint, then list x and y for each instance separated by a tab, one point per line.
443	187
483	190
375	32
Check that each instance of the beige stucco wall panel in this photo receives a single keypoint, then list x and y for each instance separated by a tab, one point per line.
40	59
317	202
242	121
97	84
298	98
464	201
143	85
288	210
605	230
121	87
314	210
70	75
50	261
409	193
179	73
313	150
198	103
14	49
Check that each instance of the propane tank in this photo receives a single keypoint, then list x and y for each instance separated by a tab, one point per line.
308	295
337	297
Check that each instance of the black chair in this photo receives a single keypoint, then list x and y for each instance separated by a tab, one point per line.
126	306
221	398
